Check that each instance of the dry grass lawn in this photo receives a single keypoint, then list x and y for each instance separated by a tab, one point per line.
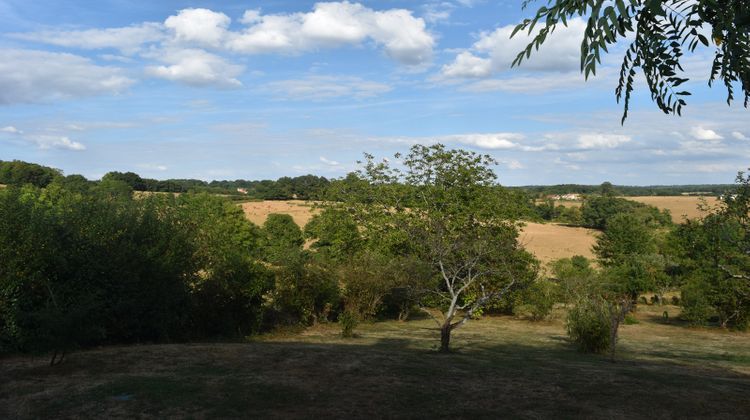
501	368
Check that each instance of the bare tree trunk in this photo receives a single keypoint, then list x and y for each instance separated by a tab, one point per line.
445	337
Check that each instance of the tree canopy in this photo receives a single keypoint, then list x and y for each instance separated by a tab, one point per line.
659	32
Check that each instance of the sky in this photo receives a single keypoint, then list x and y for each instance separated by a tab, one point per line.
264	89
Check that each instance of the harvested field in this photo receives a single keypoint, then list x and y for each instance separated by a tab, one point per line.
257	211
546	241
500	368
550	242
680	207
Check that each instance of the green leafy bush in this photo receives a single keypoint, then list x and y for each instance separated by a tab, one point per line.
588	325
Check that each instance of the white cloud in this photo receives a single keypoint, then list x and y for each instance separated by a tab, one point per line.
402	36
701	133
196	67
601	141
10	129
57	142
496	51
200	26
329	161
739	136
496	141
327	87
468	65
35	76
250	17
127	39
514	164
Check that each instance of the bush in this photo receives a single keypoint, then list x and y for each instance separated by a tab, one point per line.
348	321
588	325
536	301
696	306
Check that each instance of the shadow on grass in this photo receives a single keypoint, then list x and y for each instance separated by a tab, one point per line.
385	377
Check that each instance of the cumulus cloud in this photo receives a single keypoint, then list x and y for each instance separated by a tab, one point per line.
200	26
739	136
602	141
494	52
128	39
326	87
402	36
196	67
36	76
701	133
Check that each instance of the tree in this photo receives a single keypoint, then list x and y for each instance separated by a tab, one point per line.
660	32
714	254
445	208
282	238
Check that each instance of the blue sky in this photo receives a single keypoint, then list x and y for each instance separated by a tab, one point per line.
258	90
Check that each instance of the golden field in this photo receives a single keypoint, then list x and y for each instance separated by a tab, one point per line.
679	206
546	241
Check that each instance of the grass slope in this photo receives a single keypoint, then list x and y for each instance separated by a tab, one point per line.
502	367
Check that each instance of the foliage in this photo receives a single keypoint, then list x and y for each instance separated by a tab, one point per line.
574	276
348	321
227	294
596	212
83	269
588	325
335	234
659	33
625	237
444	209
281	239
19	173
537	300
713	254
305	292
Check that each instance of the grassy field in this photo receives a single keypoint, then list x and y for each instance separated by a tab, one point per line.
501	367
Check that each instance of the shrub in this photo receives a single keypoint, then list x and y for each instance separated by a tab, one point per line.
588	325
348	320
536	301
696	306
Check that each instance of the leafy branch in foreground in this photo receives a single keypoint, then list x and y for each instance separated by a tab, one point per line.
660	32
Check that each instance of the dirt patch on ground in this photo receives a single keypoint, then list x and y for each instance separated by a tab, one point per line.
550	242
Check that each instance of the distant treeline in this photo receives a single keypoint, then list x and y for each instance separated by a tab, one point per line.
306	187
311	187
627	190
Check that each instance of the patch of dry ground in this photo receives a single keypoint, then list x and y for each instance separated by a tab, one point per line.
546	241
550	242
258	211
679	206
501	367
